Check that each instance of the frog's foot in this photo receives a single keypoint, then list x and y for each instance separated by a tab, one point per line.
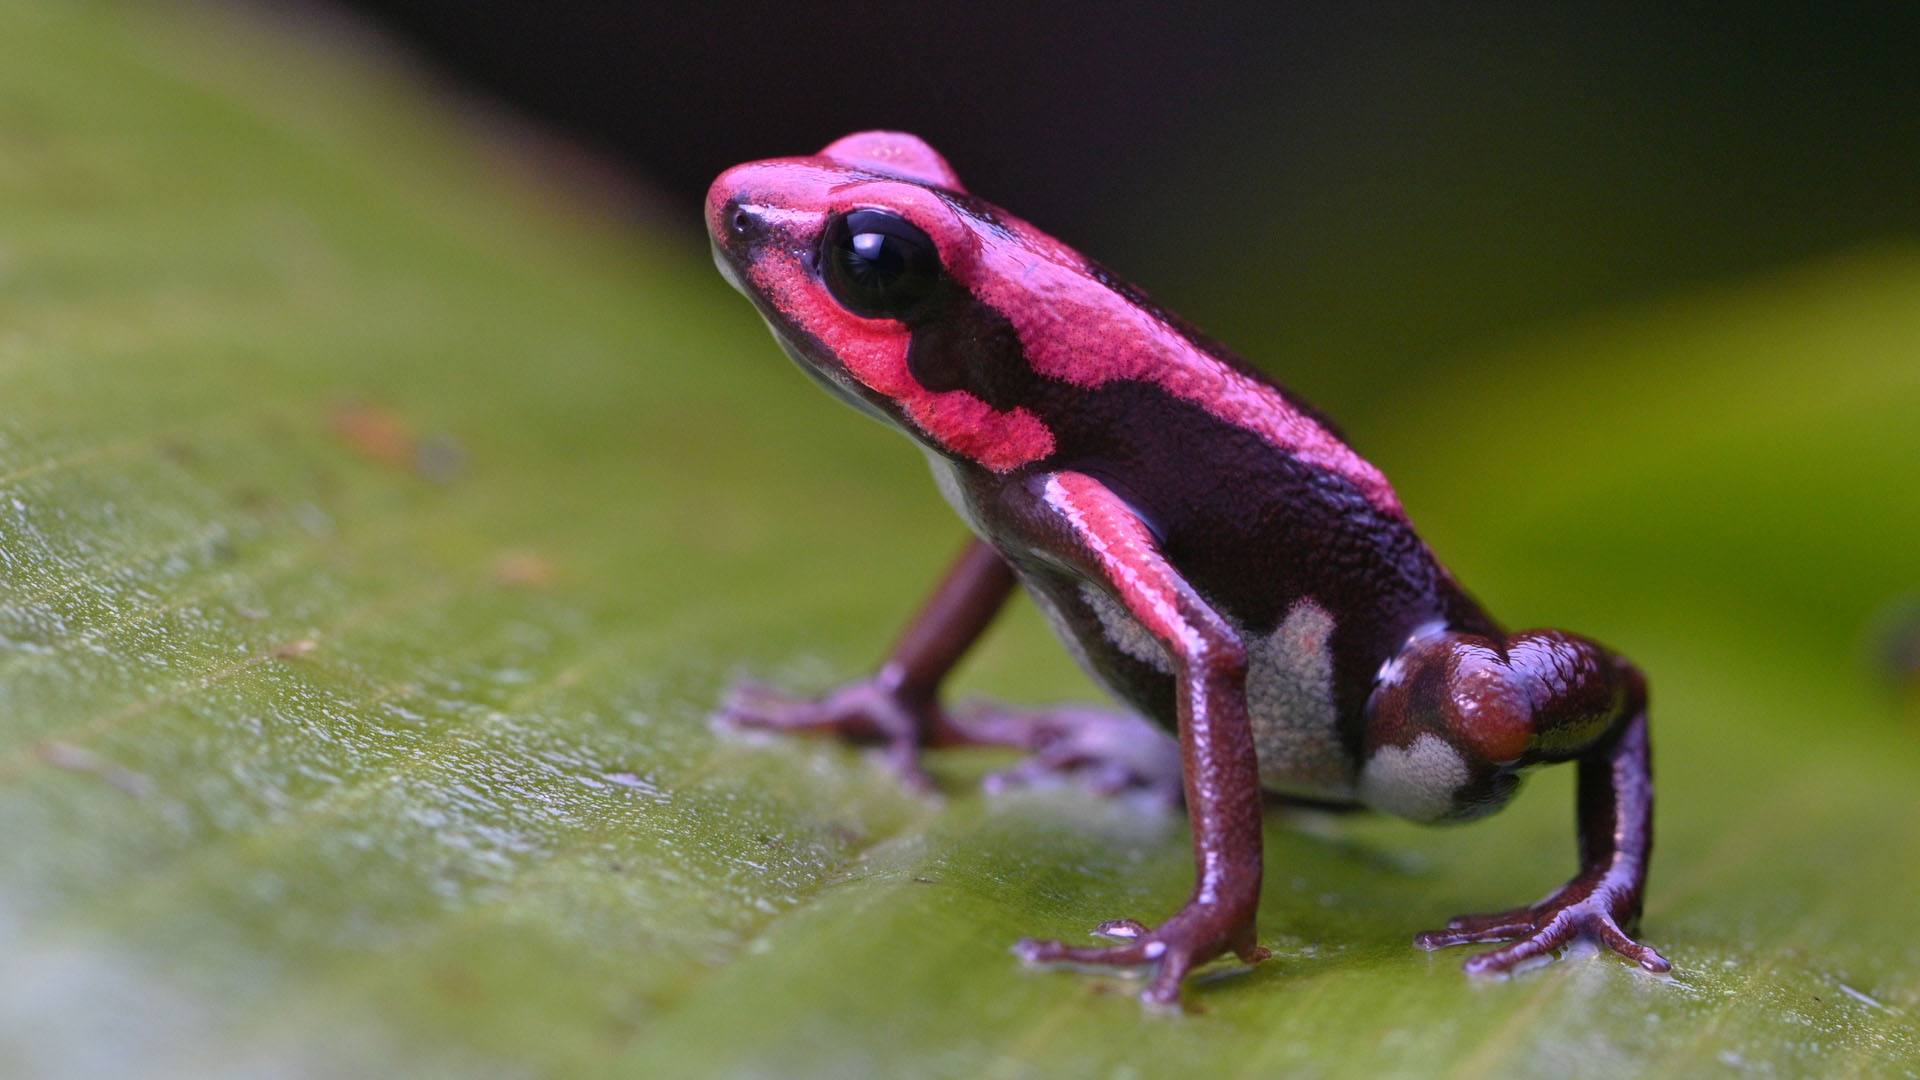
1108	751
1195	935
864	711
1577	911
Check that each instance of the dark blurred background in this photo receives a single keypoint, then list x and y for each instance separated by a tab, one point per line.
1339	191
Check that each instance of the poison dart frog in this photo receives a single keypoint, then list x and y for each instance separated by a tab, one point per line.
1204	543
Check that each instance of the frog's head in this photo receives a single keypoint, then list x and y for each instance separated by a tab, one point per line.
859	259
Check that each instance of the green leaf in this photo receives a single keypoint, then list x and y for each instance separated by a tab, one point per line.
376	532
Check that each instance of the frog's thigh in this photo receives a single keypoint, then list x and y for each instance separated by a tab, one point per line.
1420	781
1445	729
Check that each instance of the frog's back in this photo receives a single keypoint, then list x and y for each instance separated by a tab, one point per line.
1273	518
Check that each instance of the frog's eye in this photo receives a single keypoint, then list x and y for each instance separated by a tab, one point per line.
877	264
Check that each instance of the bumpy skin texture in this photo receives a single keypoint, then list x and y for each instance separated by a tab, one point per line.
1205	544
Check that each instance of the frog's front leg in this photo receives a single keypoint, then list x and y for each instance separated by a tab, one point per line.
898	706
1094	534
1470	711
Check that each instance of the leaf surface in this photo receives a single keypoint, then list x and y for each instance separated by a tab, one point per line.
376	533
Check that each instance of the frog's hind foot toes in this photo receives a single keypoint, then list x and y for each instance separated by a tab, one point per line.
1468	929
1537	933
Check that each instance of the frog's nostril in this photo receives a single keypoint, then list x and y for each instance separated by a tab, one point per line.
744	225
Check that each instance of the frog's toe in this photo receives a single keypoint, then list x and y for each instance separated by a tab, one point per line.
1110	752
1469	929
744	702
1173	961
1137	953
1541	944
861	712
1536	933
1616	939
1174	949
751	705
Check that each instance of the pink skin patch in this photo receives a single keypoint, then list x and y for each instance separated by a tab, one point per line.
894	153
1076	329
796	198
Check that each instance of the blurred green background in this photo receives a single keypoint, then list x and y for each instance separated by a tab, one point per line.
380	517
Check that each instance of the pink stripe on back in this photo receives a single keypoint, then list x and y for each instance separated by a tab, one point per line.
1077	329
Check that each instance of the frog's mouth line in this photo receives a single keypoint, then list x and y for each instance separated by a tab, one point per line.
726	269
832	382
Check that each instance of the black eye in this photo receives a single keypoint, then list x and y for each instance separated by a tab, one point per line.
878	265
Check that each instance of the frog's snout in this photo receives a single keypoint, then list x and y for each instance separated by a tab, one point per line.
729	220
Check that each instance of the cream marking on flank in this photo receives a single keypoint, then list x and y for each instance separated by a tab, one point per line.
1064	629
1125	631
1416	782
1296	730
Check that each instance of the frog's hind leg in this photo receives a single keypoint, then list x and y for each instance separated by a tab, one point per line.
1448	732
1108	750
